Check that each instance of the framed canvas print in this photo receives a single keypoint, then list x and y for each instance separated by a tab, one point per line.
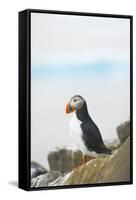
75	99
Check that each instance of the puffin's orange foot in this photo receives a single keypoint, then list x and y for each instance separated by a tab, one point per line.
85	159
79	167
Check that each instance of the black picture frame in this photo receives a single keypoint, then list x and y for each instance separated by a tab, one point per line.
25	97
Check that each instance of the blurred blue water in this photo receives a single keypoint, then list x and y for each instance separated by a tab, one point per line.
80	70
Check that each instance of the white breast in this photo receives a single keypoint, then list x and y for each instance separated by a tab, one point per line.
76	133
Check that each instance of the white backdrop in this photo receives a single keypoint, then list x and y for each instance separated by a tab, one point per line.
9	101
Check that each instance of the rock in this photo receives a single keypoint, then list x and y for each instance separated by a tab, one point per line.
113	144
123	131
60	180
104	169
44	179
118	167
64	159
37	169
87	173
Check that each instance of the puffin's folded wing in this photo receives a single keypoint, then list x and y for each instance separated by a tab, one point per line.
92	137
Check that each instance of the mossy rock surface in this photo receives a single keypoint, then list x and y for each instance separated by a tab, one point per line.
123	131
64	160
105	169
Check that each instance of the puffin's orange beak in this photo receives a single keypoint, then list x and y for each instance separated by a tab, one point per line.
69	109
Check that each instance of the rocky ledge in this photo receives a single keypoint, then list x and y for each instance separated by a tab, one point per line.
103	169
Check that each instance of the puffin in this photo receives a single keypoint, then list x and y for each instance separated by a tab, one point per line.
83	129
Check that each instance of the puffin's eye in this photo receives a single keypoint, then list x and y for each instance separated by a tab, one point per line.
75	100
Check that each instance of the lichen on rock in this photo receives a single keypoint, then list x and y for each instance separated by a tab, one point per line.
105	169
44	179
64	160
123	131
65	168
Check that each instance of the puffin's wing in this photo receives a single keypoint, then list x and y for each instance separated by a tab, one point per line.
92	138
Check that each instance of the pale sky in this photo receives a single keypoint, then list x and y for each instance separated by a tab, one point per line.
77	55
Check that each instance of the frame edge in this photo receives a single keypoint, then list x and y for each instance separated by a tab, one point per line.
24	139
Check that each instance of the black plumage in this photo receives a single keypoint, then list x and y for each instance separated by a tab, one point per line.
91	135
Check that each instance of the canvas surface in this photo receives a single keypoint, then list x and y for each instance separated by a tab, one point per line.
87	56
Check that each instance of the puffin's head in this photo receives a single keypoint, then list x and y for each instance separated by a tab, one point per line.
75	103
